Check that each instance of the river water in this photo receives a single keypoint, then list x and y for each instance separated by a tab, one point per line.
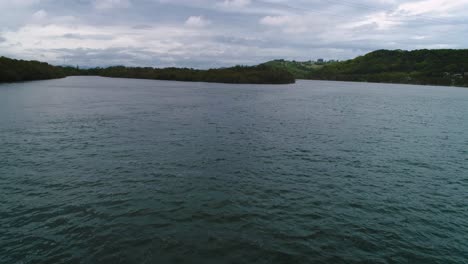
101	170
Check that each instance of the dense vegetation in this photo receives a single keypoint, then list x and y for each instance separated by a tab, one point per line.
432	67
300	69
260	74
20	70
435	67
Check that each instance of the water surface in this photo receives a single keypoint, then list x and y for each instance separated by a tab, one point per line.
99	170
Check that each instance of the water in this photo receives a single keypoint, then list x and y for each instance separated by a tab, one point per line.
97	170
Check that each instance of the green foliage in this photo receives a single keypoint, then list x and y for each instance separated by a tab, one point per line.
300	70
434	67
20	70
431	67
240	74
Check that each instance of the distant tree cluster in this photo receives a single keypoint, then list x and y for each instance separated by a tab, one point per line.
431	67
300	69
20	70
240	74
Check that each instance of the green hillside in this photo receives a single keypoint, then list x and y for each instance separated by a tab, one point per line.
300	70
427	67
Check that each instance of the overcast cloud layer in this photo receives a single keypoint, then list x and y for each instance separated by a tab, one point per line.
214	33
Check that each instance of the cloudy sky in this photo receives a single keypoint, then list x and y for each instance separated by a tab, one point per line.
214	33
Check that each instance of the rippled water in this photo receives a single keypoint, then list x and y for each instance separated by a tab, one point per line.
97	170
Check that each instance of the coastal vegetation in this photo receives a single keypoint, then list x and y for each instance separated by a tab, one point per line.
260	74
19	70
300	69
426	67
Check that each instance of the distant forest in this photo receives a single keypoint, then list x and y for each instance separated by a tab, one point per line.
260	74
19	70
426	67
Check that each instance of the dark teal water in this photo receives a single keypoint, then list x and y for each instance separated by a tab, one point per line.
96	170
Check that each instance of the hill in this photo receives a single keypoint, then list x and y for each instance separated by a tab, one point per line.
300	70
426	67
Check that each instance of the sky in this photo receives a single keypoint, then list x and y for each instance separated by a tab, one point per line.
219	33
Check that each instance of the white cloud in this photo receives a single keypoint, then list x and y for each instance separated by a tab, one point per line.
295	24
236	3
275	20
197	21
109	4
50	42
152	32
19	3
381	21
431	6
